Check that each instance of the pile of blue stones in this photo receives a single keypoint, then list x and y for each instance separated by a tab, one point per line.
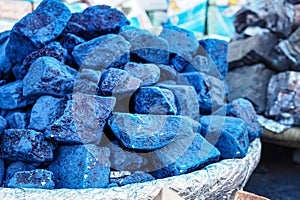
87	101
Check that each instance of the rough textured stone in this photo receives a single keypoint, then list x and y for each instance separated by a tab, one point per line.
243	109
252	50
18	120
250	82
186	100
48	76
3	124
228	134
87	81
180	40
5	65
69	41
167	73
154	100
2	171
179	160
53	49
16	167
37	29
277	16
45	111
11	96
147	46
102	52
83	119
25	145
217	50
38	178
211	91
137	177
95	21
182	61
124	159
145	132
149	74
283	98
81	166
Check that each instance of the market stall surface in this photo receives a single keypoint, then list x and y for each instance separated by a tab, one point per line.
277	177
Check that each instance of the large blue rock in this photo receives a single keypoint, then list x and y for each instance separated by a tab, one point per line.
37	29
83	120
154	100
147	46
188	153
137	177
18	120
3	124
218	51
96	21
2	171
102	52
5	64
243	109
186	100
228	134
145	132
25	145
53	49
81	166
38	178
11	96
211	90
167	73
45	111
148	73
16	167
124	159
48	76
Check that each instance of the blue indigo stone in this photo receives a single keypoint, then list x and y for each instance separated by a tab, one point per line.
228	134
69	41
96	21
87	81
180	40
48	76
154	100
16	167
53	49
81	166
11	96
167	73
149	74
186	154
5	64
211	90
37	29
3	124
147	46
83	120
2	171
218	51
137	177
186	100
25	145
146	132
124	159
102	52
115	81
18	120
45	111
182	61
243	109
38	178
